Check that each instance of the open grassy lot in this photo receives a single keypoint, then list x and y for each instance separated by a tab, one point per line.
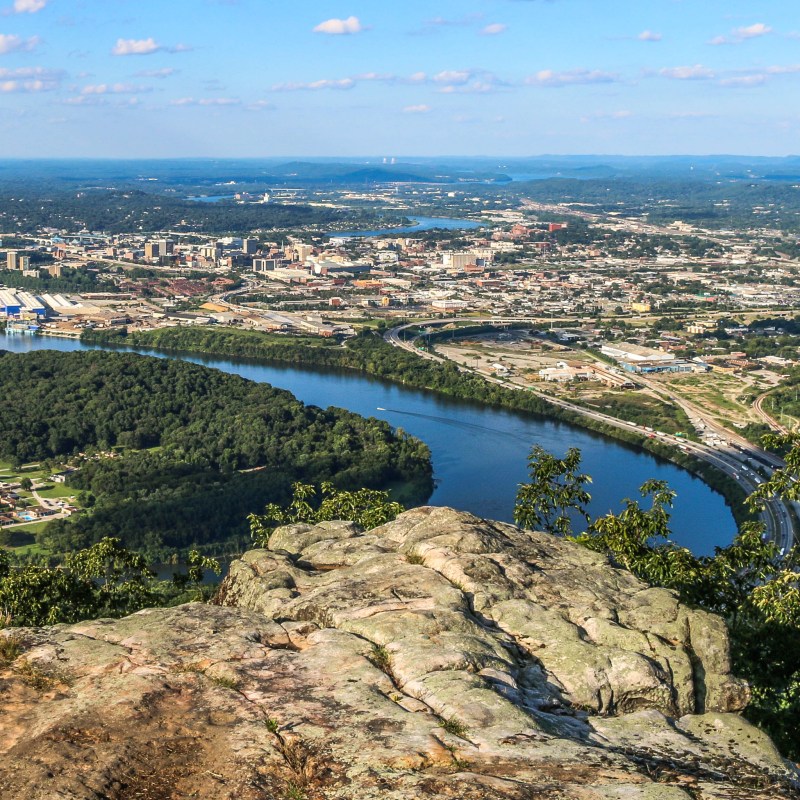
56	491
641	408
30	550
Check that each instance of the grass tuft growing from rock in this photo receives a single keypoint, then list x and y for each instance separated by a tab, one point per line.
382	659
454	727
272	725
223	681
39	679
295	792
10	649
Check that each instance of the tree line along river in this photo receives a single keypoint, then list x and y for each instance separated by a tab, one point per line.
479	452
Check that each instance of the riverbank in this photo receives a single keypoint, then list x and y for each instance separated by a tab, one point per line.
371	355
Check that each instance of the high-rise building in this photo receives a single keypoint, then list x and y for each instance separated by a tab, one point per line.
18	261
250	246
152	250
299	252
165	247
457	260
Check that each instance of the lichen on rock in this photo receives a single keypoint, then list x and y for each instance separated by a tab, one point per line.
440	655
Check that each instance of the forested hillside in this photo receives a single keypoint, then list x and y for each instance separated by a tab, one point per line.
197	449
29	208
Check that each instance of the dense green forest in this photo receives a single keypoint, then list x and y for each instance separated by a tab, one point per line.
71	280
114	211
369	353
196	450
710	203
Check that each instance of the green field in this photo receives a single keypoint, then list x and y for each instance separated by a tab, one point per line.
641	409
29	550
55	491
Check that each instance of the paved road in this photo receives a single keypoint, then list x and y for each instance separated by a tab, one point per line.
52	505
729	459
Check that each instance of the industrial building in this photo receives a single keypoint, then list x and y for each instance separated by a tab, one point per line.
14	304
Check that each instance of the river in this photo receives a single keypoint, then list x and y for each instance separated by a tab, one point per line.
479	453
420	224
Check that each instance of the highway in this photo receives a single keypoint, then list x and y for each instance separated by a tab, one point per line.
731	459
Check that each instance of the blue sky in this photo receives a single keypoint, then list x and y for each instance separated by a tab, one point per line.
139	78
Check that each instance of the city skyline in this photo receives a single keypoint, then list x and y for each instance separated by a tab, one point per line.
227	78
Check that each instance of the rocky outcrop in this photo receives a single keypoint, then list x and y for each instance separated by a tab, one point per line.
437	656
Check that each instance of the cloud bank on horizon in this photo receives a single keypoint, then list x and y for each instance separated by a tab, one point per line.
459	77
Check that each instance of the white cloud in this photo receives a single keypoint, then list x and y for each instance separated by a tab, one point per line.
739	35
494	28
85	100
464	81
136	47
548	77
28	6
688	73
475	87
325	83
260	105
165	72
340	27
145	47
6	87
206	101
11	43
101	100
744	81
419	109
381	77
784	69
218	101
456	76
649	36
753	31
114	88
446	81
30	79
